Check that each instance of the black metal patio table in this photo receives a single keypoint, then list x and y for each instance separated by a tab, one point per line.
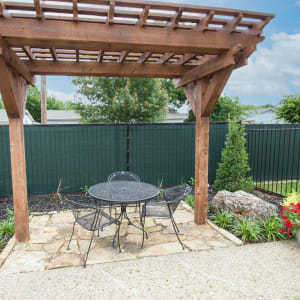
122	194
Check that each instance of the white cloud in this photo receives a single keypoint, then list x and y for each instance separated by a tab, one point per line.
298	2
62	96
272	72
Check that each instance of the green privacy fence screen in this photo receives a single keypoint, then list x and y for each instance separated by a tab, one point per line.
82	155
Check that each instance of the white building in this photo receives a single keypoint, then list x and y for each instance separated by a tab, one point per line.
263	116
63	117
28	119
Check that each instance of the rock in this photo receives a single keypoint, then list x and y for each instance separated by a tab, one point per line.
244	204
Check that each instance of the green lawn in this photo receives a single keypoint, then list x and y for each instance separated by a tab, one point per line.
283	188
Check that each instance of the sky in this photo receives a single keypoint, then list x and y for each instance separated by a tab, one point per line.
273	71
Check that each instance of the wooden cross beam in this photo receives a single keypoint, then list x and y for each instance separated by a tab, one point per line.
69	68
90	36
18	65
209	67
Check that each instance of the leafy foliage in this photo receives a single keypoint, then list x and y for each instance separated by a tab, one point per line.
190	200
33	103
289	109
176	96
293	197
232	172
223	218
270	228
247	230
226	110
7	227
121	99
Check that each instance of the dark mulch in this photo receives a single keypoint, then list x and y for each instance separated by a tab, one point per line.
46	203
37	204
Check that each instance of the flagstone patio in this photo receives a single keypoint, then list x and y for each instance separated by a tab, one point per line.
49	236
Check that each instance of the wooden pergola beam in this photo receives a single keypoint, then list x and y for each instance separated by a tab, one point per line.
144	57
38	9
75	10
28	52
185	58
214	90
144	15
18	65
90	36
68	68
175	20
122	56
111	11
209	67
53	53
165	58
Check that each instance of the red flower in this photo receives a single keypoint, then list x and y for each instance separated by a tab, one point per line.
284	217
282	230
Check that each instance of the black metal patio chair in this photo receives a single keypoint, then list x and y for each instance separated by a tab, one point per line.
89	214
123	176
166	207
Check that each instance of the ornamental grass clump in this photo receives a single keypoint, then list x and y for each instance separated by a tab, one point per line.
290	216
270	228
232	172
223	218
247	230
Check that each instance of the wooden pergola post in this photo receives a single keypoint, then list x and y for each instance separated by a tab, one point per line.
203	95
14	91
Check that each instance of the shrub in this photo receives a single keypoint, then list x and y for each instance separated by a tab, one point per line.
232	172
190	200
247	230
223	218
291	198
7	228
270	228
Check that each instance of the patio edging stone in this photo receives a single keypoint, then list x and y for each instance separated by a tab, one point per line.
228	235
6	251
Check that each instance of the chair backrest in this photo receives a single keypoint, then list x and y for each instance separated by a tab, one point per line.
123	176
176	194
80	204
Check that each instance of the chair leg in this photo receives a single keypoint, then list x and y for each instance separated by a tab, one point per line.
174	227
142	224
68	247
87	254
175	224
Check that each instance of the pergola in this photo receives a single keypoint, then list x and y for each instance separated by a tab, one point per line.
198	46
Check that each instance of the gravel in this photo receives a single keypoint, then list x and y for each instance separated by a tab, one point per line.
257	271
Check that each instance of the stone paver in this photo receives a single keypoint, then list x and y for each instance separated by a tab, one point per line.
49	236
64	260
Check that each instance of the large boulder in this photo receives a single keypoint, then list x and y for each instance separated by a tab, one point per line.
244	204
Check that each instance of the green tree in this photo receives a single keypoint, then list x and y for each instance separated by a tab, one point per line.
225	110
233	169
176	96
33	103
289	109
121	99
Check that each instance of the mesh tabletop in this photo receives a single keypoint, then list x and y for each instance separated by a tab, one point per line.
124	191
